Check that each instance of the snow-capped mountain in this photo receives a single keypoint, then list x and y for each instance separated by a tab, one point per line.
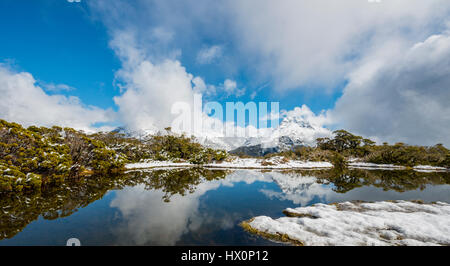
299	127
293	131
300	131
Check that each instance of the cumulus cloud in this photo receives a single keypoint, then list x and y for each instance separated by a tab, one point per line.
401	97
305	45
230	87
209	54
202	88
150	87
304	113
295	44
25	102
316	43
151	90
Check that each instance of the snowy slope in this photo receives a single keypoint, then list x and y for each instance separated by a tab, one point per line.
294	130
299	127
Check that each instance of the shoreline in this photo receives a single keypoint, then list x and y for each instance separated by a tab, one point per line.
277	163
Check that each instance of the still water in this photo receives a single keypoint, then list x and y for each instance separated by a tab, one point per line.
192	206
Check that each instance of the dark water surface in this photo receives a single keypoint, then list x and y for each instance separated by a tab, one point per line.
192	206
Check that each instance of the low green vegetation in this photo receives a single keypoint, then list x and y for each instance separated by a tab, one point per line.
344	145
38	156
350	145
161	147
33	157
179	147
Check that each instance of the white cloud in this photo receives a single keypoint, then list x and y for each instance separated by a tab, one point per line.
52	87
151	90
305	114
316	43
402	96
295	44
292	44
230	88
209	54
26	103
201	87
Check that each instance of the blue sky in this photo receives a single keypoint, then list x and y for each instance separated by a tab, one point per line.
59	42
355	64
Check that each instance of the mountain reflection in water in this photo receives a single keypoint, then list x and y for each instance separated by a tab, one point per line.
192	206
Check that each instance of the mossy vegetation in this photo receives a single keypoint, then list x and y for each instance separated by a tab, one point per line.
35	156
275	237
172	147
162	147
344	145
349	145
298	215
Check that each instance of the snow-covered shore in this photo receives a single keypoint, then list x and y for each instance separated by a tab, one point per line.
420	168
356	223
277	163
239	163
429	168
156	164
362	165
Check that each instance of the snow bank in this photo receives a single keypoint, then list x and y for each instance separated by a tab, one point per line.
363	165
239	163
278	162
270	163
155	164
428	168
354	224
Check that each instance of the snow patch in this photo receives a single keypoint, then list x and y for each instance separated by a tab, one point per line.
428	168
363	165
240	163
356	224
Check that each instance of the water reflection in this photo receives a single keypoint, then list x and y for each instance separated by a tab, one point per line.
146	214
201	206
356	184
62	200
396	180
